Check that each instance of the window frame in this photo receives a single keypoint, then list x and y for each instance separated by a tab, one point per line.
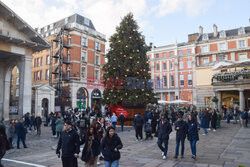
180	64
190	79
172	80
182	80
204	59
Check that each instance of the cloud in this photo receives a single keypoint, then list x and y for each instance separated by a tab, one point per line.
189	7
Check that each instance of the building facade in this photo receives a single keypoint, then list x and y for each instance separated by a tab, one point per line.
173	71
175	67
83	86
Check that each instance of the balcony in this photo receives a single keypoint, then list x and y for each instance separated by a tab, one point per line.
242	76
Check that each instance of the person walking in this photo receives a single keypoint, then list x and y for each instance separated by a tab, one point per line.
21	133
193	135
244	117
214	118
11	132
4	143
59	126
138	124
110	146
32	122
164	130
91	148
70	145
114	120
38	123
121	120
181	128
228	115
204	121
53	125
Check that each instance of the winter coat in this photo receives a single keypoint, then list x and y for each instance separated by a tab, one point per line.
69	143
182	131
59	125
122	118
20	129
138	121
11	131
193	131
95	147
164	129
38	121
53	123
204	121
107	148
214	119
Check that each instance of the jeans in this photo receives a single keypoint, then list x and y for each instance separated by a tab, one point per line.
114	124
39	130
178	145
111	164
22	138
193	147
138	132
205	130
165	148
228	118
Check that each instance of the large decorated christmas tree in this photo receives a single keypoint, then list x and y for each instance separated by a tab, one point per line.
126	78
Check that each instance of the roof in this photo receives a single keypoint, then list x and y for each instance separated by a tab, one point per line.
35	42
229	33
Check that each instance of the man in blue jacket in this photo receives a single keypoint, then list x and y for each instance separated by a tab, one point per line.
70	145
164	129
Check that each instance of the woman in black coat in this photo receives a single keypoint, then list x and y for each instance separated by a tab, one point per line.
91	148
193	135
110	146
4	143
214	120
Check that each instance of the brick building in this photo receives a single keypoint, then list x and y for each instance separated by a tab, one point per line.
83	87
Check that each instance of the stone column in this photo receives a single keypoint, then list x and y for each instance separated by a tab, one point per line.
242	100
25	85
219	100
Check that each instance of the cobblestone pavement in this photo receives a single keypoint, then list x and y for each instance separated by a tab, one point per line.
228	147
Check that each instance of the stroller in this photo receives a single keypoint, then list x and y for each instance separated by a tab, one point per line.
148	130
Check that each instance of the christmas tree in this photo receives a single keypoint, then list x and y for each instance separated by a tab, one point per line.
126	78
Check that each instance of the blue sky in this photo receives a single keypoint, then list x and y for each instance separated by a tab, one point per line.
161	21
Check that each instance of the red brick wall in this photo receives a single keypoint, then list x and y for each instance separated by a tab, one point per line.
232	45
91	44
76	39
91	56
213	47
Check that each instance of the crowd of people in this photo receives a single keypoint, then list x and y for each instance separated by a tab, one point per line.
95	130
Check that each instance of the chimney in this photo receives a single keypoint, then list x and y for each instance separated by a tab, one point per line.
201	30
215	30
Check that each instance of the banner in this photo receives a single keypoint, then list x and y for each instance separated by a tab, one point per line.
118	110
13	110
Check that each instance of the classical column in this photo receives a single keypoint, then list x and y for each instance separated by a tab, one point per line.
219	100
25	94
242	100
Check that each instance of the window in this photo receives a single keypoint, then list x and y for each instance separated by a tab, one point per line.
157	67
205	37
41	61
83	56
157	82
17	71
241	44
47	75
165	80
164	66
38	76
171	53
164	55
41	75
97	46
38	62
205	60
204	49
180	52
97	60
208	101
189	51
189	64
86	21
241	31
181	65
47	60
171	66
222	57
17	92
181	80
222	34
242	57
84	41
222	46
157	55
189	79
83	72
172	80
97	74
17	81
